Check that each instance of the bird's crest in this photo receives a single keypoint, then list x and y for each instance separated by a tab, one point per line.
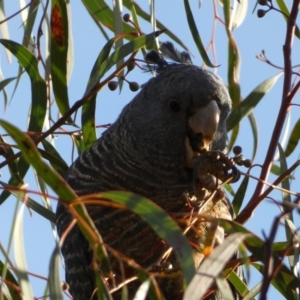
159	61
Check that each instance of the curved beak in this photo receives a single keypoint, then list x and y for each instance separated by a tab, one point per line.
203	125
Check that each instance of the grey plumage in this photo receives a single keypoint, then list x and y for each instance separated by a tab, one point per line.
148	151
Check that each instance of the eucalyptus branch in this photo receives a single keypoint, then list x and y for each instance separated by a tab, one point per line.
73	109
247	212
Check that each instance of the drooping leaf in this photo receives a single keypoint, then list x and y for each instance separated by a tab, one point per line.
54	158
239	11
255	132
237	282
282	282
253	292
55	290
89	108
234	134
62	189
290	228
5	82
134	7
38	100
224	288
282	5
41	210
8	276
240	195
195	34
233	73
38	84
293	140
59	54
250	102
29	23
161	223
4	28
101	12
20	256
212	266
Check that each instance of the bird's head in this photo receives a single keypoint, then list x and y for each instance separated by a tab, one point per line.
181	110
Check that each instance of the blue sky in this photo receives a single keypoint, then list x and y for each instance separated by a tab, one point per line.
252	36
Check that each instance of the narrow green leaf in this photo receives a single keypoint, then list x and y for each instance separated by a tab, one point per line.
196	35
33	157
95	76
11	279
23	167
13	166
101	12
102	65
250	102
20	256
55	290
253	292
290	228
118	29
226	10
281	4
134	7
161	223
283	282
239	14
143	289
229	189
293	140
125	50
54	158
5	82
4	29
41	210
233	58
233	71
29	23
89	108
38	100
277	171
237	282
102	291
240	195
58	184
254	128
78	141
38	85
59	54
224	288
256	246
212	266
234	134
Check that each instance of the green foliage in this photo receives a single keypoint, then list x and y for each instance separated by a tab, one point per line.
51	113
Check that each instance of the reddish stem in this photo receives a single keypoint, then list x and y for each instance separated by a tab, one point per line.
287	97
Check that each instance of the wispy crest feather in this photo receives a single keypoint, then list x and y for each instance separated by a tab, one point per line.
167	50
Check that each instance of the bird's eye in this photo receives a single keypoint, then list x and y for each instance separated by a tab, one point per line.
174	105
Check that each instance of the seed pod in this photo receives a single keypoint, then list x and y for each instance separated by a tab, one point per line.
2	150
126	18
261	13
134	86
247	163
237	150
130	65
262	2
112	85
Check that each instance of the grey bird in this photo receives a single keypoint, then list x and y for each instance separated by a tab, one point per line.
149	150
